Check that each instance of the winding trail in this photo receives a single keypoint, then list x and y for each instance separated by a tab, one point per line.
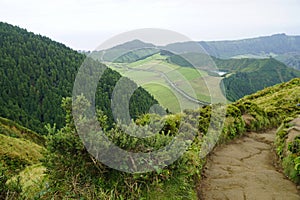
245	169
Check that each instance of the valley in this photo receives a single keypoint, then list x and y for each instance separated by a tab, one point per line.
193	85
167	82
226	147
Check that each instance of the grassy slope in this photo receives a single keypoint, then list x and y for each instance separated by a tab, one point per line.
280	104
187	79
245	76
267	108
281	99
20	154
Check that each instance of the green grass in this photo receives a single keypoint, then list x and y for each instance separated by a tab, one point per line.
14	151
281	99
31	179
172	190
191	73
20	155
140	63
12	129
187	79
164	96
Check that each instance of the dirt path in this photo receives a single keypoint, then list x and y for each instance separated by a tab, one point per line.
245	169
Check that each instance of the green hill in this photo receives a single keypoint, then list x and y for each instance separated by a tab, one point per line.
19	146
67	164
266	45
141	50
282	47
21	152
36	72
246	76
262	110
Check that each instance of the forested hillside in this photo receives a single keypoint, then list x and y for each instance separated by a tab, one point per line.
36	72
247	76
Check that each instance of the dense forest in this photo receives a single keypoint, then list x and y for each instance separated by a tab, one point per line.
36	73
247	76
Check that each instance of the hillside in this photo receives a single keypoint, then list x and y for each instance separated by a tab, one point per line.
246	172
280	46
21	152
19	146
36	73
72	173
244	76
266	45
36	79
175	87
113	54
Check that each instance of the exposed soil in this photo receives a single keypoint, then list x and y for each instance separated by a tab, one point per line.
246	169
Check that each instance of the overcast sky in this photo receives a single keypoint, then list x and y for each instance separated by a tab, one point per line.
85	24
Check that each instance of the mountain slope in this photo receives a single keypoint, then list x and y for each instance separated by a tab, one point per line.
19	146
21	152
244	76
113	54
276	44
36	72
280	46
258	111
248	76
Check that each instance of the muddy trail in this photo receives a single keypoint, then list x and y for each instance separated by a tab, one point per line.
246	169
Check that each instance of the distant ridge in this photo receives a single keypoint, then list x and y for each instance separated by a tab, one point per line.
282	47
134	44
265	45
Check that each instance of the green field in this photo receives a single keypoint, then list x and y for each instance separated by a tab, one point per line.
152	74
169	98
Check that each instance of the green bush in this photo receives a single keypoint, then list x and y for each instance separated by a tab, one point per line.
289	153
88	178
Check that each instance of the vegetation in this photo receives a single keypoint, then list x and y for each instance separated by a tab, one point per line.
21	152
288	147
59	166
74	173
242	77
280	46
71	172
250	75
36	73
151	73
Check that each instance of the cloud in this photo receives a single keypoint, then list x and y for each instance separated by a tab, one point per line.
71	21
